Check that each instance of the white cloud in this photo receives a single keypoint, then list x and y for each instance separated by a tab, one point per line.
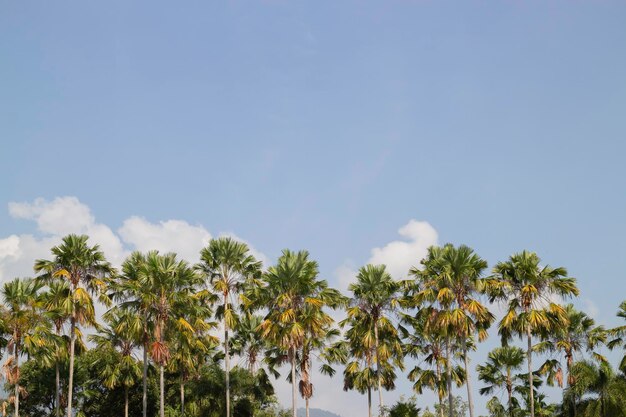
345	274
165	236
64	215
399	255
10	247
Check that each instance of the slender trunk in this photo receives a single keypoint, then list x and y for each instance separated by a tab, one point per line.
306	401
530	372
161	392
144	400
378	378
57	391
182	398
449	378
509	391
369	387
226	358
293	382
439	396
470	400
570	379
17	382
70	384
125	401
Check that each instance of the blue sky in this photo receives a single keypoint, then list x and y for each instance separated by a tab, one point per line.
323	125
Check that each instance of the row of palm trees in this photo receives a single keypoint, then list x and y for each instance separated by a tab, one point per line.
168	310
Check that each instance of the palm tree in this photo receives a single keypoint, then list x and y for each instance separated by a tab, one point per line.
192	345
190	351
291	292
57	302
431	348
318	334
247	341
579	333
134	294
85	268
451	281
618	335
121	337
172	285
25	326
375	295
601	389
228	264
527	287
356	352
498	372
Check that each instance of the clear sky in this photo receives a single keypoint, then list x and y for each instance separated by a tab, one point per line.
321	125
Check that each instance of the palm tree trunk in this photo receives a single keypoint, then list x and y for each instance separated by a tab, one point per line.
449	378
529	353
17	382
144	400
509	391
226	358
439	396
378	379
57	392
161	392
293	382
70	384
570	360
182	398
369	401
306	401
468	382
125	401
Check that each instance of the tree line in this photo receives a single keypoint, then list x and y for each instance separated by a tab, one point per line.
164	343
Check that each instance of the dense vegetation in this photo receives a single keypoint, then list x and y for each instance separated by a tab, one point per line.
164	342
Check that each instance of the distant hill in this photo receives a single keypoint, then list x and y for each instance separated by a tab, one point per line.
316	412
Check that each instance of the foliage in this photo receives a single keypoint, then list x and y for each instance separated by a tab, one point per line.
404	408
167	310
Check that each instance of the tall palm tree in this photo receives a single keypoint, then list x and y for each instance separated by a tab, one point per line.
375	295
228	264
191	345
25	326
134	294
498	372
431	348
578	334
356	352
527	287
601	389
172	285
247	341
190	351
121	337
318	334
618	335
85	268
57	302
451	281
290	291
